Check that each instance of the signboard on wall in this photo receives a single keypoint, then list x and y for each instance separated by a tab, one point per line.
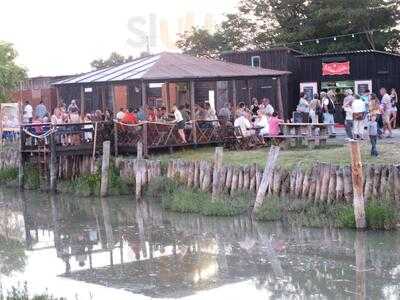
336	68
9	117
361	86
309	89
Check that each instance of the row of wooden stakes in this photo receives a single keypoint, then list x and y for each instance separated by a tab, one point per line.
320	183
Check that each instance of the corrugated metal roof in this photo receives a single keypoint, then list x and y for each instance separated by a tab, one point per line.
349	52
171	66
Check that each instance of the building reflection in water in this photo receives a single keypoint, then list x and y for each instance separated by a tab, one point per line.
143	249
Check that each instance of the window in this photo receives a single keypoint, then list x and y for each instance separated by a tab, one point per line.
256	61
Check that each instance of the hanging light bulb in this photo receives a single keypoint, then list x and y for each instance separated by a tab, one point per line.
301	43
334	38
353	35
317	41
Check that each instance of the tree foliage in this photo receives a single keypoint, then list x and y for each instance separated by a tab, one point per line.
114	60
10	73
268	23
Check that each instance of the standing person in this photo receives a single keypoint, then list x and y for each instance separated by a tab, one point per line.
328	112
180	123
120	114
74	118
373	135
41	110
262	122
374	108
393	119
349	98
129	117
28	111
315	109
254	107
268	108
303	108
386	103
347	107
358	108
88	135
72	106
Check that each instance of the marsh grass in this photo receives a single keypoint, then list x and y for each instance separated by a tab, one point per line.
178	198
22	293
89	185
8	175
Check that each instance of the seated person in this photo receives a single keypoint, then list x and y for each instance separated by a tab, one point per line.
261	122
244	124
273	123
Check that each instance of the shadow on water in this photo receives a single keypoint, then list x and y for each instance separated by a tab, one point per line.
145	250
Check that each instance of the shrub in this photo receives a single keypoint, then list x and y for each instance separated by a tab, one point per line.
8	174
346	217
31	177
271	210
380	215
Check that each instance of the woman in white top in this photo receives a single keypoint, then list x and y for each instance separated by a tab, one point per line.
180	123
262	122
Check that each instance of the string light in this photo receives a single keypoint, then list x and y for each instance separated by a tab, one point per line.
333	37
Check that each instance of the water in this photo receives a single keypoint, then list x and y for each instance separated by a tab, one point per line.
114	249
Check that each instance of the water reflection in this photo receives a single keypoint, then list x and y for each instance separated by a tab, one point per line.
142	249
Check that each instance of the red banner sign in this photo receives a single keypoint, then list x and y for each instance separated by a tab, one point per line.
336	68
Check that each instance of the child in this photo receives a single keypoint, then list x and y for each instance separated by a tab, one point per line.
373	135
349	121
273	123
180	123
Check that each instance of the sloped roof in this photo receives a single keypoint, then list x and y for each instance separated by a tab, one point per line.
171	66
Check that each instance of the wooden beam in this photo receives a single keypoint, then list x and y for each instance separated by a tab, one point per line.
58	95
103	99
248	91
234	95
192	112
144	106
82	106
168	98
279	97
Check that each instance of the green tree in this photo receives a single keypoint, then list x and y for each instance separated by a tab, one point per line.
266	23
10	73
115	59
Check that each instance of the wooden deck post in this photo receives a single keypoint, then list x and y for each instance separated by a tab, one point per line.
53	164
82	102
144	106
93	162
279	97
192	112
139	150
21	158
105	166
234	95
115	139
358	183
266	178
218	158
248	92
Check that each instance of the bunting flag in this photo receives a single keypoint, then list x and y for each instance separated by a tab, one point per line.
336	68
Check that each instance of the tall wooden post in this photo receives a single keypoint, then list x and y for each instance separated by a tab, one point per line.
115	139
139	150
82	101
168	106
358	183
105	166
234	95
279	97
266	178
53	164
103	99
93	162
21	158
192	112
144	106
218	158
248	91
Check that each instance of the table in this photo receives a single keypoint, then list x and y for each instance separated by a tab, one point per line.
306	131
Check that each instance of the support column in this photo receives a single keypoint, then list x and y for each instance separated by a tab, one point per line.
248	91
144	106
279	97
168	106
82	105
103	99
57	96
234	95
192	112
53	164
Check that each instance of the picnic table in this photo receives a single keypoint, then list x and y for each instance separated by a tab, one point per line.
306	132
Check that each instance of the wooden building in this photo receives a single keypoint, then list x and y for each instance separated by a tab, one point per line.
166	79
36	89
312	73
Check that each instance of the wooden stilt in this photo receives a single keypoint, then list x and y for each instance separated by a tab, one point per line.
105	168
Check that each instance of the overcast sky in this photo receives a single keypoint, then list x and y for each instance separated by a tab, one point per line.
57	37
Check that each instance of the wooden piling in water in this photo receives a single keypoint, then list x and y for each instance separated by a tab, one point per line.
105	166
